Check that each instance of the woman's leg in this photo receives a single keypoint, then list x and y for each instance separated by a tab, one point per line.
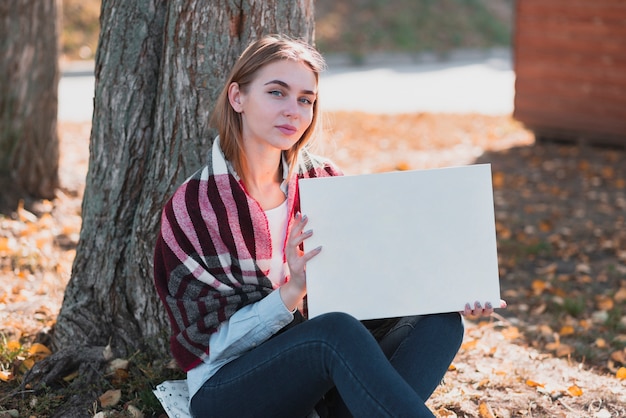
421	348
288	374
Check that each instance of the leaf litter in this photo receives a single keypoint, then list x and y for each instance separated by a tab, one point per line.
558	350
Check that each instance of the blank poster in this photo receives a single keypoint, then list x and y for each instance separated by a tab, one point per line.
401	243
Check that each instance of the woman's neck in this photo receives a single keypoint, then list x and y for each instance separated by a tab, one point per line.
263	178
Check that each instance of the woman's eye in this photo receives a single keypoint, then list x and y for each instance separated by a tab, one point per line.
276	93
306	100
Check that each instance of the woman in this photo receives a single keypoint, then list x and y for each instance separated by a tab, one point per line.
231	273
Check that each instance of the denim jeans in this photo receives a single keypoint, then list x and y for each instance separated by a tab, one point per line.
335	361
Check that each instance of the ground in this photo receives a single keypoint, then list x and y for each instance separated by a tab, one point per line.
556	351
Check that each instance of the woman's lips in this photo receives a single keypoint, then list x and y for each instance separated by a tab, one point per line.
287	129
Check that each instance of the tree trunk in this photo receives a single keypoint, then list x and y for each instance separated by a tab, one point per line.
159	69
29	77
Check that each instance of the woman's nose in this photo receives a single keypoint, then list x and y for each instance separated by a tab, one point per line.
291	108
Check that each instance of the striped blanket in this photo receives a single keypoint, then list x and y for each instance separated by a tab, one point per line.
213	252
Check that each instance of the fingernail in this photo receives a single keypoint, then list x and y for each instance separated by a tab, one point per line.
468	307
478	305
488	305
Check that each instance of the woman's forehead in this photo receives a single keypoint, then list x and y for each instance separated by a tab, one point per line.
297	74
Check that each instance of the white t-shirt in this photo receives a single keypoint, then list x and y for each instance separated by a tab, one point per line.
277	220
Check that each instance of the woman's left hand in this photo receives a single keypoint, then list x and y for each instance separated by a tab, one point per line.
479	310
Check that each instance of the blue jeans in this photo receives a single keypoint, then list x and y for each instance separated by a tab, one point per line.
288	375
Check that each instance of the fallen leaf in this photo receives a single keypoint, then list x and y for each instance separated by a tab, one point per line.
604	303
621	373
619	356
564	350
534	384
39	351
620	296
566	330
485	411
110	398
574	391
511	333
468	345
6	376
134	411
446	413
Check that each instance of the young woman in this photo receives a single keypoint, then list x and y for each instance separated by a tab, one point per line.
231	273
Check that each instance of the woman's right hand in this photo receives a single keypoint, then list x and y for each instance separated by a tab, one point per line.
294	290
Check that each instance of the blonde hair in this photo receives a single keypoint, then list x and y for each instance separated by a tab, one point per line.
260	53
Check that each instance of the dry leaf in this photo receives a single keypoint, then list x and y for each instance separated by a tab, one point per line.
574	391
6	376
511	333
534	384
620	296
39	351
110	398
468	345
619	356
566	330
621	373
564	350
485	411
446	413
134	411
604	303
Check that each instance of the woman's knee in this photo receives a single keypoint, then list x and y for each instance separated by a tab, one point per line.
339	325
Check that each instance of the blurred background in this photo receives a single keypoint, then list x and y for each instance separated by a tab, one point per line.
354	27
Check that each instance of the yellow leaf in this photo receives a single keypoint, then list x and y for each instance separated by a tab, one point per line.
534	384
510	333
71	376
575	391
601	343
484	410
539	286
28	363
38	349
4	244
564	350
14	345
566	330
620	296
621	373
468	345
619	356
5	376
604	303
451	367
498	179
110	398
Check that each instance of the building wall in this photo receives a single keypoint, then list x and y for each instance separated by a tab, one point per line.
570	65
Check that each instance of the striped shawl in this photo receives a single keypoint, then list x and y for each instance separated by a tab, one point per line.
213	253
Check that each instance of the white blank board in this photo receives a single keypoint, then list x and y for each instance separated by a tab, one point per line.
401	243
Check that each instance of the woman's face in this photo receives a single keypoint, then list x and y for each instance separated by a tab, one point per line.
277	107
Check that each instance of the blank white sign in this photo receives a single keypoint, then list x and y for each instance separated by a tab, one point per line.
401	243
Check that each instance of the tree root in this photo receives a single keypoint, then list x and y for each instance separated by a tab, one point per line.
62	364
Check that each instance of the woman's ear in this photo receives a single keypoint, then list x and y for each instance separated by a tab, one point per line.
234	97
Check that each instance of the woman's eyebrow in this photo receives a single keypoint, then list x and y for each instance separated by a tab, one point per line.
285	85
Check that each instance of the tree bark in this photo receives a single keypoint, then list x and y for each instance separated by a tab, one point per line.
159	68
29	77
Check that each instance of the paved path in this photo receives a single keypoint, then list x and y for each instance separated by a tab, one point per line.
463	84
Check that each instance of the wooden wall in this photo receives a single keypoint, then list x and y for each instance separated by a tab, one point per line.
570	66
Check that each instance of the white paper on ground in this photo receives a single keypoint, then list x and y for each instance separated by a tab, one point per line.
401	243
